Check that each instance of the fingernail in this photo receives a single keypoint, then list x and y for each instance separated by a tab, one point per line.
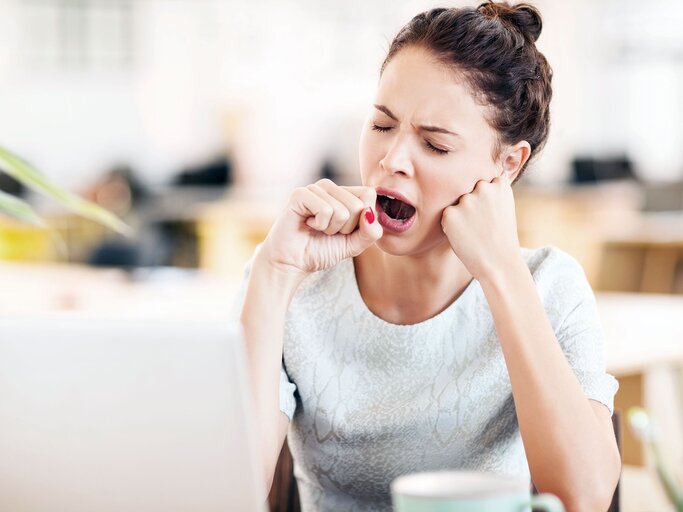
369	216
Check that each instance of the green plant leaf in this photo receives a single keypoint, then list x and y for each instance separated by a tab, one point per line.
24	172
14	207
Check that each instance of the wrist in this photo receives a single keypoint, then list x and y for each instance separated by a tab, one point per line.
498	276
278	275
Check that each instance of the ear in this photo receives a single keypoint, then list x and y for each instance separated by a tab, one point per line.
514	159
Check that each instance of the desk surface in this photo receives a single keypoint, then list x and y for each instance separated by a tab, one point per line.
641	330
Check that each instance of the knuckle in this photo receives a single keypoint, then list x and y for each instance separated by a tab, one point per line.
369	195
297	195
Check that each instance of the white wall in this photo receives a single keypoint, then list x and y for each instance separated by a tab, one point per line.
285	83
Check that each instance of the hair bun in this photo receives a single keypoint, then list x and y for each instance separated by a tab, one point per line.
524	17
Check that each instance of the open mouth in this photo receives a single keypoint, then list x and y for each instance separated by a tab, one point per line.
395	208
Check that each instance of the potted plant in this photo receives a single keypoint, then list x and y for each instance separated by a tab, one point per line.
22	171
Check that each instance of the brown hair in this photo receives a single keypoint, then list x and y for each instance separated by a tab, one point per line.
493	48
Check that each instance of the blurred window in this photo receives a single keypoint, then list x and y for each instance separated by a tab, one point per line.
77	34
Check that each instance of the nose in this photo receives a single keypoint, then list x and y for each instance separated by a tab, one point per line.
397	159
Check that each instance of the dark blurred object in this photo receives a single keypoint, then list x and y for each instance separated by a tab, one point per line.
592	170
165	219
662	197
121	191
115	253
138	191
284	492
329	171
217	172
118	190
151	247
11	186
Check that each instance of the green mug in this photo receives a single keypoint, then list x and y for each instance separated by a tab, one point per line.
467	491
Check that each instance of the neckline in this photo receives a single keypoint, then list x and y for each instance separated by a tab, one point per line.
439	317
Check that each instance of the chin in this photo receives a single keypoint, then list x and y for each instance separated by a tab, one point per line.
403	246
394	245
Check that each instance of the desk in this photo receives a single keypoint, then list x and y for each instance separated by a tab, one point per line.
644	350
163	293
641	330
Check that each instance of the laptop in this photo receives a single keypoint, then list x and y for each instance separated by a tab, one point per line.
104	415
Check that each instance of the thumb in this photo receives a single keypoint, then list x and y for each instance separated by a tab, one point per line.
368	232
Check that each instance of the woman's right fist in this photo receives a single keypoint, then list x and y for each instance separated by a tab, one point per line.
322	224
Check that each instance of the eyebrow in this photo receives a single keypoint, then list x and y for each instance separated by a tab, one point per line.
436	129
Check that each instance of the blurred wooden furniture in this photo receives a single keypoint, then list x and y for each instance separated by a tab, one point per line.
617	424
644	255
229	231
577	219
644	346
284	494
642	266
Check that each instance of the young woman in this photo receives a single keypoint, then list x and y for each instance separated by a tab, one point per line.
398	326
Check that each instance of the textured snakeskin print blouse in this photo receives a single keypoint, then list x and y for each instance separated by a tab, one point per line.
371	400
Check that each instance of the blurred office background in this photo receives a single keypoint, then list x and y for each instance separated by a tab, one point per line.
194	120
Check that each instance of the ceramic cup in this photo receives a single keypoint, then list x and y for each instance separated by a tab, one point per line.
467	491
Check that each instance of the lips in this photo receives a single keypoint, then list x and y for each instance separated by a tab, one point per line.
396	212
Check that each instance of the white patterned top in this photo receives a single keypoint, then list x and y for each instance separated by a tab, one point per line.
370	400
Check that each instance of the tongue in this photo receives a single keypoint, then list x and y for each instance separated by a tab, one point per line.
405	211
397	209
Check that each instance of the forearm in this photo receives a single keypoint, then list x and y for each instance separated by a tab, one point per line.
566	448
268	294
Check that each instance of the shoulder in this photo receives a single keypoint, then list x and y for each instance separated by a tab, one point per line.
559	278
550	265
548	261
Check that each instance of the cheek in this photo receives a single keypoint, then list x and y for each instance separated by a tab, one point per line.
464	173
446	184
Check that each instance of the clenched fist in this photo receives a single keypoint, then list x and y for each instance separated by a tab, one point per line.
322	225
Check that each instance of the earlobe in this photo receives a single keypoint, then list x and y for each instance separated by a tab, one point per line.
515	160
509	175
511	166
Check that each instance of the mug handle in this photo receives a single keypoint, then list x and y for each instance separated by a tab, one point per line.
547	502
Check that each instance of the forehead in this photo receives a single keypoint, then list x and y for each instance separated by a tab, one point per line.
415	85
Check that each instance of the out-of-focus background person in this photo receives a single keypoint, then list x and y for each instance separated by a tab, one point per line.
194	120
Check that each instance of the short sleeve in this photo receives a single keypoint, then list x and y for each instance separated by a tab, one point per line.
572	309
287	387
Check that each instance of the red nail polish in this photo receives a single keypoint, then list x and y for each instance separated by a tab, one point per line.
369	216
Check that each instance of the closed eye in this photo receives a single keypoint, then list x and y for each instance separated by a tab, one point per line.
429	146
435	149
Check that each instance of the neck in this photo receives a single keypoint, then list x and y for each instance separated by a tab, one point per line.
414	286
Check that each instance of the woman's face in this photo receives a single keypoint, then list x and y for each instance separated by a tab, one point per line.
405	146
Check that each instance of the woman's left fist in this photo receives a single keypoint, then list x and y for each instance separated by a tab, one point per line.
482	229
